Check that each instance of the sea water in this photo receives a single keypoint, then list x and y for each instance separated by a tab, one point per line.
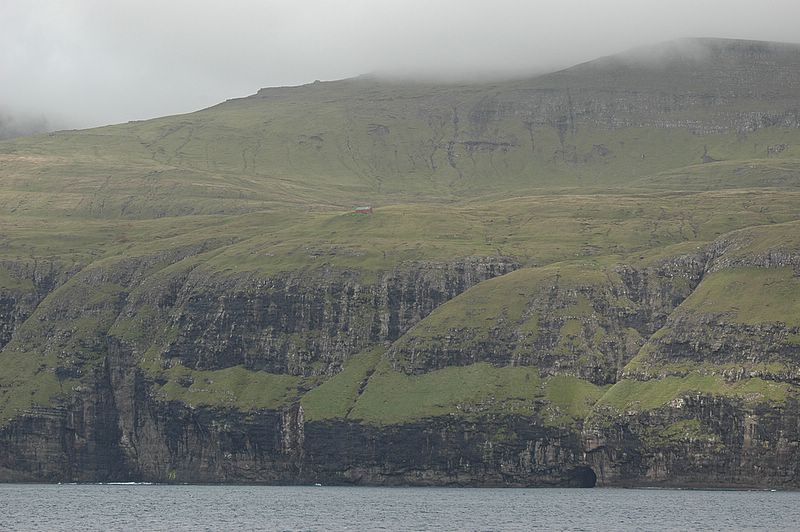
174	508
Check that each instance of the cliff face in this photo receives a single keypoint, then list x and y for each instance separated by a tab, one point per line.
563	320
120	426
25	286
76	441
701	384
699	440
113	426
309	323
175	443
711	397
123	433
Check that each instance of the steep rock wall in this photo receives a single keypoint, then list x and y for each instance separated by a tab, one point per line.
699	440
309	323
107	424
560	321
712	396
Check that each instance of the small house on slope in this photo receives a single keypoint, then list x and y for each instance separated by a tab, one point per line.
363	210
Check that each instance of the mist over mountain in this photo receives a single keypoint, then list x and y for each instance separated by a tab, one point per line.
92	65
19	126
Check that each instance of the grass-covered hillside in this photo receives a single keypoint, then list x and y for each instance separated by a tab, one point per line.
584	248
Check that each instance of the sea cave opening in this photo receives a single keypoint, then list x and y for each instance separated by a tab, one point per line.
583	477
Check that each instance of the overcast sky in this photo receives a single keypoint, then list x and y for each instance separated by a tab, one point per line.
80	63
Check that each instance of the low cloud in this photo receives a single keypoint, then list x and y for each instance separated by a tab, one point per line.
92	62
12	125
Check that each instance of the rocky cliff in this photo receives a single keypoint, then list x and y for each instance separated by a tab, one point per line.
712	394
694	398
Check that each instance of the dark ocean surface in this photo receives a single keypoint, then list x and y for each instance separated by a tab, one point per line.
173	508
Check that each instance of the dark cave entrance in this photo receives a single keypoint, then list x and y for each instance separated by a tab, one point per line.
583	477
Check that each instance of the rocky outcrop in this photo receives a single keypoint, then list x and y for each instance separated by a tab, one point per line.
77	440
115	429
716	344
171	442
729	415
309	323
589	329
699	440
109	425
29	283
712	397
